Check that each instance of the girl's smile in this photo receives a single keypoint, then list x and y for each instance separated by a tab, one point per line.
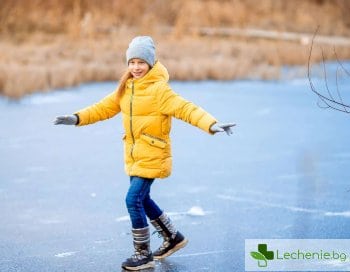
138	68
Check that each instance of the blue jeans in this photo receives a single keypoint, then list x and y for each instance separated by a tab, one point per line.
139	202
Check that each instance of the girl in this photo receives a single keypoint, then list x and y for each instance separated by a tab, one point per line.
147	104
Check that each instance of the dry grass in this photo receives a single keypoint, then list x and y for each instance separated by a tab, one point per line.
91	16
46	44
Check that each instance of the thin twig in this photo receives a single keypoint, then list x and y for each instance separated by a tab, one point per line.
336	81
330	102
340	63
325	75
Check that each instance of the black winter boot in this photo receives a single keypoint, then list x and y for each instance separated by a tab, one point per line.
143	257
173	239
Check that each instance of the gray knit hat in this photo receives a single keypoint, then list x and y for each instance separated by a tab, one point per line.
141	47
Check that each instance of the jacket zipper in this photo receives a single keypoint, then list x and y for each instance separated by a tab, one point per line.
131	131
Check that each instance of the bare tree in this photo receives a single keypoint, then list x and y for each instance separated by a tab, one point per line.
328	100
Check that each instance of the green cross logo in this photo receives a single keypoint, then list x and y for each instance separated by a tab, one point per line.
262	255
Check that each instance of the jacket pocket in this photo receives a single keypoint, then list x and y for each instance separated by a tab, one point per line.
154	141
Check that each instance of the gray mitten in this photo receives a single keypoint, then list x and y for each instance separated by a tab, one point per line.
66	120
217	127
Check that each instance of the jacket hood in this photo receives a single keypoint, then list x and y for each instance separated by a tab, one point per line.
157	73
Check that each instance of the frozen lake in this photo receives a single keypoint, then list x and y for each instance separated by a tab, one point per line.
283	174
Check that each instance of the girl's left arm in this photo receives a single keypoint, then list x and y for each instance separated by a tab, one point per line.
173	104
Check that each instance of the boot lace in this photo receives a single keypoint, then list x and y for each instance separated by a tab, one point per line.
139	255
166	240
165	244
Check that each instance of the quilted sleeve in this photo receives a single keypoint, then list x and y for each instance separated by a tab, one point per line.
173	104
106	108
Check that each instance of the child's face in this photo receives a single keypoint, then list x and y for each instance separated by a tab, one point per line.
138	68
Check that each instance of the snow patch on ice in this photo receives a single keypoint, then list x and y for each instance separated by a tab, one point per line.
65	254
342	214
194	211
300	209
122	218
93	195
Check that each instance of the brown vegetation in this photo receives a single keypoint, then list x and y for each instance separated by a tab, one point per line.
47	44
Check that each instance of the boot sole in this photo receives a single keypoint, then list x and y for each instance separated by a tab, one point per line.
173	250
144	266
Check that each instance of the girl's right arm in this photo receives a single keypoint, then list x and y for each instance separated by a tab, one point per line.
108	107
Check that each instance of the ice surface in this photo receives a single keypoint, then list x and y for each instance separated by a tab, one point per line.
282	174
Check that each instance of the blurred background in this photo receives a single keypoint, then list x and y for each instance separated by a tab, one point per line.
282	174
48	44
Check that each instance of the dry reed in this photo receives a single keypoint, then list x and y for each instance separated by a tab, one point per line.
46	44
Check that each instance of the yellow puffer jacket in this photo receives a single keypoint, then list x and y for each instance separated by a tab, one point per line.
147	106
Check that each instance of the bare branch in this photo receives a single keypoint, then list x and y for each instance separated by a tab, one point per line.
340	98
329	102
339	62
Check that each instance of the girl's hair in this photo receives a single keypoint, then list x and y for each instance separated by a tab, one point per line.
122	83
